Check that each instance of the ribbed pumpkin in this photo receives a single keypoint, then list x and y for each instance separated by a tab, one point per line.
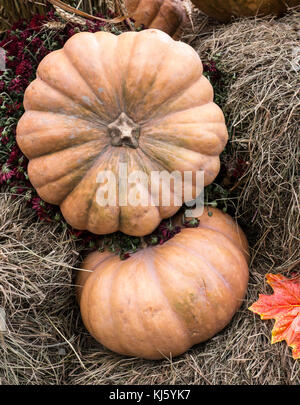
223	10
165	299
139	99
166	15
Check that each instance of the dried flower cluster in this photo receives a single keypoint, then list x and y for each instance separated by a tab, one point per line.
25	45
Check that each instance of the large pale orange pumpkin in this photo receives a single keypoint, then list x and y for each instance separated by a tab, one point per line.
167	298
139	99
167	15
223	10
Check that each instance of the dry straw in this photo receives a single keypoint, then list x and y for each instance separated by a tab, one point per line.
263	112
12	10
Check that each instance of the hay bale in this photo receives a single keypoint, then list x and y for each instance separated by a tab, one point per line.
262	112
36	261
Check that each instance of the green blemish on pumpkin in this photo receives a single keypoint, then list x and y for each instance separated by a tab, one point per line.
184	308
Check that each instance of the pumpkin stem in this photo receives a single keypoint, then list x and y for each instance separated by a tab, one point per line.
124	132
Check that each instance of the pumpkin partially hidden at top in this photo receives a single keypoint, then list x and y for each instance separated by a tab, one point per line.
164	299
223	10
139	99
167	15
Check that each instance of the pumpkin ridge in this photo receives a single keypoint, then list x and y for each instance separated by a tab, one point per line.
154	15
220	245
130	60
191	123
115	271
153	274
116	322
147	170
53	114
154	122
199	287
205	261
180	140
104	69
93	199
205	302
170	99
228	237
176	111
102	152
166	143
101	261
136	105
120	210
139	162
82	117
131	157
74	183
153	158
63	148
84	79
142	166
152	83
106	72
154	165
71	67
90	271
91	158
245	254
123	72
91	293
168	50
46	154
158	155
139	314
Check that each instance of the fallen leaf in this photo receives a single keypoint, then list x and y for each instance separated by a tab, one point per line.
284	307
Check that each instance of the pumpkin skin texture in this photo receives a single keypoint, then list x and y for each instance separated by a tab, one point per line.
165	299
223	10
138	99
166	15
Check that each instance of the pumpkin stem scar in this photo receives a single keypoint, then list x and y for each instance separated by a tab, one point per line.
124	132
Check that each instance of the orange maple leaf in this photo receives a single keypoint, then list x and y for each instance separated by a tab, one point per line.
284	307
